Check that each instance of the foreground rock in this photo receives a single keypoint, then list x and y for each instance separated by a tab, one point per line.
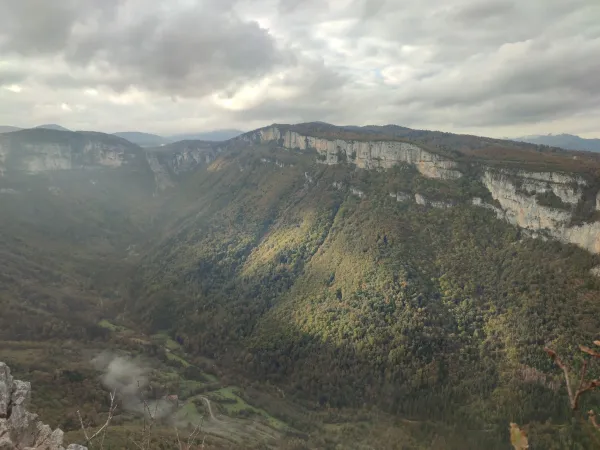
20	429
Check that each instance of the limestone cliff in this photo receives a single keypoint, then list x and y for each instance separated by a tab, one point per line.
541	202
517	194
20	429
172	160
367	154
38	151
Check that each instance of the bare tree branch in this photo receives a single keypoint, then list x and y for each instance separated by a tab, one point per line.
103	428
589	351
584	385
565	370
178	440
194	433
592	417
87	439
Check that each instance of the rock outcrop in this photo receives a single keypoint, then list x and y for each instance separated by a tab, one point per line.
367	154
20	429
421	200
401	196
517	192
37	157
172	160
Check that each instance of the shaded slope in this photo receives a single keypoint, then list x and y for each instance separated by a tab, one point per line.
314	278
74	205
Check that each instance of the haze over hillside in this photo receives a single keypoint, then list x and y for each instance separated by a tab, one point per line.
567	141
148	139
153	140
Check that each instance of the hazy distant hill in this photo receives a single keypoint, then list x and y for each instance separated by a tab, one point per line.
154	140
53	126
8	129
216	135
143	139
567	141
149	139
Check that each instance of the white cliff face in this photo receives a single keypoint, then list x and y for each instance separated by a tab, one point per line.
401	196
161	173
499	212
42	158
47	157
340	186
365	154
186	158
566	187
190	158
523	210
359	193
421	200
278	163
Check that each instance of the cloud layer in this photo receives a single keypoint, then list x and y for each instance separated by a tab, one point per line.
497	67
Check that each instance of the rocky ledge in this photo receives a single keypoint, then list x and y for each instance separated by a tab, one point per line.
20	429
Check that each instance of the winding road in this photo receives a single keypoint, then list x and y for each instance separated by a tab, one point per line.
210	411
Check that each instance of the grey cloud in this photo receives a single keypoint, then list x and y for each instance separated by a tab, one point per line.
37	26
371	8
188	51
32	27
562	75
193	53
8	77
483	10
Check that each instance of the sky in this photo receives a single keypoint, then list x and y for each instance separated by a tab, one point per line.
489	67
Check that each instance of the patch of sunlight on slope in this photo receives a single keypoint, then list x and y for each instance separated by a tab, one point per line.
348	267
219	164
284	237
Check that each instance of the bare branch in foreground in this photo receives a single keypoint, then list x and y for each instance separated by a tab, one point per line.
103	428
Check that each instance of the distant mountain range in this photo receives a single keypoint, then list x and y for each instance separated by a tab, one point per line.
53	126
154	140
148	139
7	129
566	141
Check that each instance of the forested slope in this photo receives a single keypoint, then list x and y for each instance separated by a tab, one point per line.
315	278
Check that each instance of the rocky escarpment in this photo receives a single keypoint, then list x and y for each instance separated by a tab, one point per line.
38	151
520	196
367	154
170	161
20	429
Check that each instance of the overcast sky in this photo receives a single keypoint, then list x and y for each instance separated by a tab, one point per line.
491	67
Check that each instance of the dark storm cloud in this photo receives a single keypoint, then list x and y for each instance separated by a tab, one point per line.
190	50
32	27
193	52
